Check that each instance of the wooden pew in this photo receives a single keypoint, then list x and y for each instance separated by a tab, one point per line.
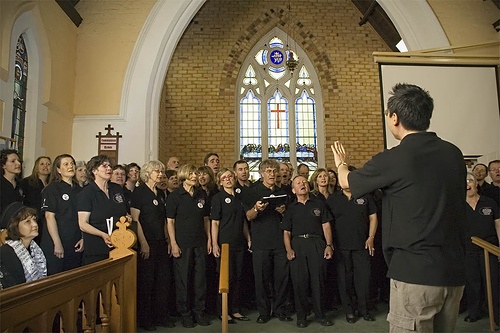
63	298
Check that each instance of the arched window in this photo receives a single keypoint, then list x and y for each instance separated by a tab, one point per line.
20	91
279	110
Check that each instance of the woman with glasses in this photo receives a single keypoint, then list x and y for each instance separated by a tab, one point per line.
100	205
229	226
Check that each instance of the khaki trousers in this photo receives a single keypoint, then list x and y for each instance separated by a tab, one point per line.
420	308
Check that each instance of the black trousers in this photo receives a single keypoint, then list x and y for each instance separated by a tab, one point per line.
475	282
308	273
190	281
354	269
153	282
271	274
56	265
235	274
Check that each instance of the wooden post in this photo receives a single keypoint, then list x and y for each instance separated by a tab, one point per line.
123	239
224	285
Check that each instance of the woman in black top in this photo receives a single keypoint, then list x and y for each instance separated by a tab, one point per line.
21	259
62	240
81	177
100	205
34	184
153	271
320	181
10	190
189	233
333	183
230	226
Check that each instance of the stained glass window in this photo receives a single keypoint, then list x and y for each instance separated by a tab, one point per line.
20	90
277	107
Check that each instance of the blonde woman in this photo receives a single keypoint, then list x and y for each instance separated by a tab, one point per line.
153	271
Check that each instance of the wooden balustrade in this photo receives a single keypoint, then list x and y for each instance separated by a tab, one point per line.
224	285
69	300
495	250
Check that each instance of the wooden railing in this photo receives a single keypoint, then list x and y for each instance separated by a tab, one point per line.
74	298
224	285
495	250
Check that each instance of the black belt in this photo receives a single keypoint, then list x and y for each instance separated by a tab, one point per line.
309	236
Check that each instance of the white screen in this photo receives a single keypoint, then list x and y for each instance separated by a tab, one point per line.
466	106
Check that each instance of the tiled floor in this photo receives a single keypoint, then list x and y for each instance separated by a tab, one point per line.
338	317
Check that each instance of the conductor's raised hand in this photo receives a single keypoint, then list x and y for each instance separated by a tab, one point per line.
338	153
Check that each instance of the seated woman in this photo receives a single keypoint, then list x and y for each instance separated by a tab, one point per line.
21	259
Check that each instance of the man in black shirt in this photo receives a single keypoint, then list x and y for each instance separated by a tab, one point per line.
423	212
494	190
269	255
480	171
308	241
354	227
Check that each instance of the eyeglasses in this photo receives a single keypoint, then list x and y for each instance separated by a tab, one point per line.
271	171
228	177
495	169
470	181
106	165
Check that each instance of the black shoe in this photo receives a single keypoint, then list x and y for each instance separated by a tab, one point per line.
263	319
302	323
325	322
470	319
149	328
242	318
350	318
187	322
203	321
368	317
283	317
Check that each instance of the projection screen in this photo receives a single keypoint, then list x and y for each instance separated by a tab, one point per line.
466	103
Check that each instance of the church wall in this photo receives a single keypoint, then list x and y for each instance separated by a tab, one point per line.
197	113
106	39
60	83
51	40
